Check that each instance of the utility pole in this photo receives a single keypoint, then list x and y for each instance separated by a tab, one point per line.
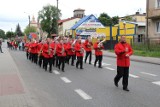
147	11
29	20
57	18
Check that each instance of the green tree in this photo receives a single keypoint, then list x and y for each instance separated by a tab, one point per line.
105	19
10	34
128	18
115	20
48	19
18	31
30	29
2	34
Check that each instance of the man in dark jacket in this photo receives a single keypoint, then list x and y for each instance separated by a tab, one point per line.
1	45
123	51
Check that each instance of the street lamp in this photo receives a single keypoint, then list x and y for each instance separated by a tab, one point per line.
57	19
29	19
124	24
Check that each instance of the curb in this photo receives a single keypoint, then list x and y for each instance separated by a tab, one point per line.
136	60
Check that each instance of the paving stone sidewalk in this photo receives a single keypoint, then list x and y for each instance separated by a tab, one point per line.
13	92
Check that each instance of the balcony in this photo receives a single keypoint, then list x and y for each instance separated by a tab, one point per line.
154	13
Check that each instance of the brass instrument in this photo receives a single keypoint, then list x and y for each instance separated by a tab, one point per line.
49	49
101	43
72	45
63	50
40	52
82	49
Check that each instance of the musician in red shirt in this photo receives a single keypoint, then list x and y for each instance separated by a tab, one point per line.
98	46
123	51
61	53
79	48
88	48
71	51
48	55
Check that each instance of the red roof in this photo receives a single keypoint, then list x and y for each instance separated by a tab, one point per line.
65	20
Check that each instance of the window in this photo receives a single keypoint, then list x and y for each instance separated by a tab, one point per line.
157	3
158	27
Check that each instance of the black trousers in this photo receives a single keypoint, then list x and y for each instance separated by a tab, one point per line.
99	60
40	61
122	72
1	49
35	58
72	57
79	62
54	59
57	60
46	62
89	53
27	54
61	62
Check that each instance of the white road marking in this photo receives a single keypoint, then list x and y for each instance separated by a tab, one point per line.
105	64
149	74
83	94
56	72
66	80
157	82
110	68
134	76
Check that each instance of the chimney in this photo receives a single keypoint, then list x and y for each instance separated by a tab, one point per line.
137	13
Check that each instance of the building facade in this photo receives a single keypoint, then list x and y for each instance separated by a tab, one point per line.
65	24
154	20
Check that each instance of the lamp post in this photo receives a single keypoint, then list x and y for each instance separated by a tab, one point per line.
28	19
57	18
147	11
124	24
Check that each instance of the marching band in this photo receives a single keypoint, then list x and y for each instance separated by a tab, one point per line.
59	51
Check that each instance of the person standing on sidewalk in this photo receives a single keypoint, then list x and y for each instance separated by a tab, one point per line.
1	45
123	51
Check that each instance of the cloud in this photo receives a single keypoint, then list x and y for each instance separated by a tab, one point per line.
12	11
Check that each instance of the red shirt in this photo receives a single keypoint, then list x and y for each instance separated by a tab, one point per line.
46	49
70	49
98	50
88	46
79	48
122	59
34	48
59	49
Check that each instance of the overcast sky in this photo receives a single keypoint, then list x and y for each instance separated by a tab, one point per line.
12	11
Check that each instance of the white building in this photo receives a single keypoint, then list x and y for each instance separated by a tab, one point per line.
65	25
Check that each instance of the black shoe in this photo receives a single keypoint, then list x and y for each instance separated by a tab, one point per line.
72	65
81	68
100	67
90	63
125	89
50	71
116	84
63	71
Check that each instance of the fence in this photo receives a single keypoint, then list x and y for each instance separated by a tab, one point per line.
150	44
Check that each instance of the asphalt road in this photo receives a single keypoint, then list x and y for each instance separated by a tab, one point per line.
91	87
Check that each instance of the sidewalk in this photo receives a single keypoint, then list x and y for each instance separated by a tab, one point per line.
13	92
136	58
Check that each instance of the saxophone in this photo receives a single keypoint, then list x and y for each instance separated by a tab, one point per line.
100	44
